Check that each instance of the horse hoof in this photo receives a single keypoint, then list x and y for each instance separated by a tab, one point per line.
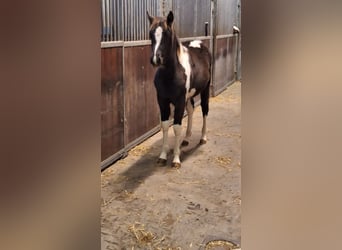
202	141
185	143
175	165
161	161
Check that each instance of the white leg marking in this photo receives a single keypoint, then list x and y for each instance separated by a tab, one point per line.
165	148
177	129
204	128
172	112
195	44
190	94
190	110
158	36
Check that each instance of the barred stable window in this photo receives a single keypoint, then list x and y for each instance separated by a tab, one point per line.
125	20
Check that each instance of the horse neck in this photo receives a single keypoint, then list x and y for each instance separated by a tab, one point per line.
173	62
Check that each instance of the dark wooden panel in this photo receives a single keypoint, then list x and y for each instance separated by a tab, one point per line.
224	62
221	66
141	109
232	57
112	125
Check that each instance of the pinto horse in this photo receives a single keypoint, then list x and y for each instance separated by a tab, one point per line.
183	72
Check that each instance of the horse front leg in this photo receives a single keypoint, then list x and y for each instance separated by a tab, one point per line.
205	110
164	107
165	148
177	129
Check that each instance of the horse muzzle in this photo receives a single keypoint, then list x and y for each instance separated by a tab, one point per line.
157	60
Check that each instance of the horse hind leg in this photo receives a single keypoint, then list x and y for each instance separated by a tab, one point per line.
205	110
190	105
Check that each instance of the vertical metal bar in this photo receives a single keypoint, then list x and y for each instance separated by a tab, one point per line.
213	7
126	27
107	20
195	18
111	19
102	22
115	17
121	21
145	20
153	7
142	20
105	12
139	19
124	17
114	20
148	7
125	5
130	24
132	19
134	14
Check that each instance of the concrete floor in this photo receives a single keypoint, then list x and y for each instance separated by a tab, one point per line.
146	206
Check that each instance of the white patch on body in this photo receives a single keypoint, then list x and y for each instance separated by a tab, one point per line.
185	62
158	36
195	44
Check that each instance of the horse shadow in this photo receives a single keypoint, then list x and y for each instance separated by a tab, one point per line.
147	165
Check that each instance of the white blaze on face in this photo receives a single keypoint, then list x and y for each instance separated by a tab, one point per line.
195	44
158	36
184	61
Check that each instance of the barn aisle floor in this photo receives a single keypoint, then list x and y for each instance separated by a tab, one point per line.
146	206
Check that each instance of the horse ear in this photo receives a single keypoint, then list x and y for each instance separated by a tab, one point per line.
170	18
150	18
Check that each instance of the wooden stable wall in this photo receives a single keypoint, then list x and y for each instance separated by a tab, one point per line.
129	110
141	109
112	102
225	58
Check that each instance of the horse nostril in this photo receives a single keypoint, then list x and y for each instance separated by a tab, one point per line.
158	54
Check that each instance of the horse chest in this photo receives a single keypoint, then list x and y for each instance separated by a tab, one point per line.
170	85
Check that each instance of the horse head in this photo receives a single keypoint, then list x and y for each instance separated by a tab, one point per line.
162	38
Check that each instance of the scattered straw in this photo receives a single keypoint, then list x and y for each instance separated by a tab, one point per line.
237	200
220	243
106	202
148	239
187	181
223	161
218	99
142	236
139	150
228	135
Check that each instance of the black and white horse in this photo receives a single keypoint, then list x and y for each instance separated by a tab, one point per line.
183	72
